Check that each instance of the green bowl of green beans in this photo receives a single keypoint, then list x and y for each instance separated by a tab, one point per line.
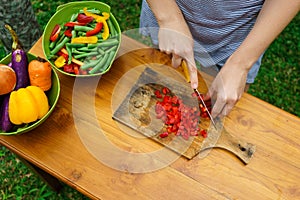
82	39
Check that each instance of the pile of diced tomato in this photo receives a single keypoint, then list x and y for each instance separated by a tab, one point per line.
179	119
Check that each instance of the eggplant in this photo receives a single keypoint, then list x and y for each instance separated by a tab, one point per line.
19	61
5	123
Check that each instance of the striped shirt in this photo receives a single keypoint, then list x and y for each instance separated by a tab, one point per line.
218	28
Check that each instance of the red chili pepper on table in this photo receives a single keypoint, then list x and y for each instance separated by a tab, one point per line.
96	30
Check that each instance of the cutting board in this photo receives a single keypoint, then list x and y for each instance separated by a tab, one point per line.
137	111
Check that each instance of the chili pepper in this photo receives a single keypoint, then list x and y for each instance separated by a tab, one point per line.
102	19
76	70
83	40
72	24
60	61
105	33
69	68
55	33
60	53
106	15
68	32
77	62
82	18
96	30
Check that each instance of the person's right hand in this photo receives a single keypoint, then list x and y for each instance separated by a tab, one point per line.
176	39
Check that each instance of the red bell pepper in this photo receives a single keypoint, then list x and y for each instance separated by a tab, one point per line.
96	30
68	32
55	33
72	24
82	18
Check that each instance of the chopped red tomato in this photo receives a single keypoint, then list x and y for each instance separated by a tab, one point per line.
180	119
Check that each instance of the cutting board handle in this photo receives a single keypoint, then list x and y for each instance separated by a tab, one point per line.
237	146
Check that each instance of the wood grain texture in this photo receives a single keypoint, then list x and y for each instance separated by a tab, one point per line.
58	146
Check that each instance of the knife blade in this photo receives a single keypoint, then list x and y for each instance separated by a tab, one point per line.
203	103
187	77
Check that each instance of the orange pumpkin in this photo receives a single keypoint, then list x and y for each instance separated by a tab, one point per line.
8	79
39	72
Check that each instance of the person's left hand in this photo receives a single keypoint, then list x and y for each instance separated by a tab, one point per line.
228	87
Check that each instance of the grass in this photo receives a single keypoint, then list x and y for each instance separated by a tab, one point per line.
277	83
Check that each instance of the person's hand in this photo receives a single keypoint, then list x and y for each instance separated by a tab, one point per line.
176	40
228	87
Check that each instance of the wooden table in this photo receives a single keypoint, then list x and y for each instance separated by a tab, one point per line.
57	148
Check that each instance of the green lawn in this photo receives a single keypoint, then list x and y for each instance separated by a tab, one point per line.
277	83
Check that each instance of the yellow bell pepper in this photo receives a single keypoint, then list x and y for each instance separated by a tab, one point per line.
85	40
27	105
105	33
60	61
102	19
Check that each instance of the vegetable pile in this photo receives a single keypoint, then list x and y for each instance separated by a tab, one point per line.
86	44
26	101
179	119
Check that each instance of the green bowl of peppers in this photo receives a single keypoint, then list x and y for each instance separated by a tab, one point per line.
82	39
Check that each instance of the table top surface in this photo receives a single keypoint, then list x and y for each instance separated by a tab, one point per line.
82	145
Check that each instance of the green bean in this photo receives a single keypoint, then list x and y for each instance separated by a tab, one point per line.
73	34
86	49
59	46
76	45
111	27
74	17
108	61
101	51
108	43
69	50
82	28
91	46
113	48
75	51
90	64
52	45
99	64
82	55
99	36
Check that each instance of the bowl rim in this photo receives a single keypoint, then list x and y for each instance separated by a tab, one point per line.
35	124
60	9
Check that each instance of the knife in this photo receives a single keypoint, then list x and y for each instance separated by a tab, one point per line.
203	103
187	77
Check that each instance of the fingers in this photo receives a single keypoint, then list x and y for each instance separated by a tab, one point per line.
222	107
176	60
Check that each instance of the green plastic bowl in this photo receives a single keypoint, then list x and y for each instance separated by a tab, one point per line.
62	15
52	94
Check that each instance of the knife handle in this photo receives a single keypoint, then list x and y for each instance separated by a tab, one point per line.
183	69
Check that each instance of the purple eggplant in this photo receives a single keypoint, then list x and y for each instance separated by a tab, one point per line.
19	61
5	124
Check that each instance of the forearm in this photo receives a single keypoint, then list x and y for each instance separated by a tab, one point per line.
167	13
274	16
